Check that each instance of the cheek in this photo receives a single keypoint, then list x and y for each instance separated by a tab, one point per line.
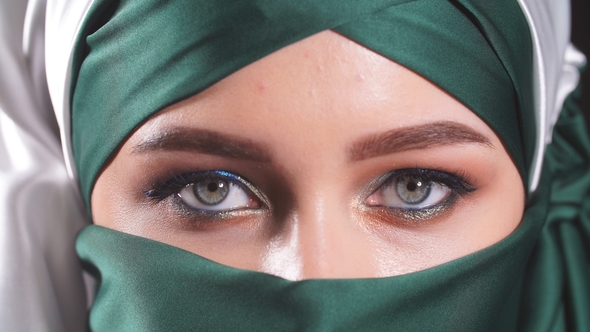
472	226
119	202
380	247
502	208
117	198
476	221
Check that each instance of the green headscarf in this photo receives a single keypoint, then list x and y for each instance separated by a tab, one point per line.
134	58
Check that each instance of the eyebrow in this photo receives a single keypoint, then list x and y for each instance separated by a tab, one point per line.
416	137
397	140
206	142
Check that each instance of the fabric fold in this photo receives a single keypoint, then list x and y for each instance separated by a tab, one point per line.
134	59
147	285
558	272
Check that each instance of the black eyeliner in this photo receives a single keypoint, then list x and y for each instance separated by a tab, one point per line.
456	182
162	189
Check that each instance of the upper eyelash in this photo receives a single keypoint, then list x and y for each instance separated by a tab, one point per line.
163	189
458	182
176	181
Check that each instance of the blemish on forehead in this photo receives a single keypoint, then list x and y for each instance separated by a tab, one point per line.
360	77
261	87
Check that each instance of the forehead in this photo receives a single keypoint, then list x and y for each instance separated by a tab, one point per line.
323	91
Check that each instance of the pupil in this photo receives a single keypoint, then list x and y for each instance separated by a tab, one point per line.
211	191
412	189
212	186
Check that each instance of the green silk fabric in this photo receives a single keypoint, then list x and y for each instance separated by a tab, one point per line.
150	286
134	58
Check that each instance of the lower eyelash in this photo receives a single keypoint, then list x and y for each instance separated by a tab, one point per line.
166	189
181	208
425	213
163	189
456	182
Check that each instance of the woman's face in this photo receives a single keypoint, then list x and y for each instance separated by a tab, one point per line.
322	160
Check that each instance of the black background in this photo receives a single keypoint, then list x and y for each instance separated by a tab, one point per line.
581	39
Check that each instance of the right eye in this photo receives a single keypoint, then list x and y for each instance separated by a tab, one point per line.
419	194
413	192
216	193
209	191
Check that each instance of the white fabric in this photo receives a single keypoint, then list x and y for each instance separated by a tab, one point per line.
555	69
64	18
41	287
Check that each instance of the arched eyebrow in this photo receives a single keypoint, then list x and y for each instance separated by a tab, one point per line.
397	140
205	142
416	137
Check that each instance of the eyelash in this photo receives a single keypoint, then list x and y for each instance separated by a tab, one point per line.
458	183
163	189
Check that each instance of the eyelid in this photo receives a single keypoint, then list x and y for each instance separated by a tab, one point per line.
249	186
460	179
175	182
458	185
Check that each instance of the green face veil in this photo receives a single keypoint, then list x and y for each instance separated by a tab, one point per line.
133	59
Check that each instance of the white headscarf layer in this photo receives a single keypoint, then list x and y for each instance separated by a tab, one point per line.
41	283
41	288
556	75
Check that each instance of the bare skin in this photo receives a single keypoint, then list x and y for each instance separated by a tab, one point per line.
316	130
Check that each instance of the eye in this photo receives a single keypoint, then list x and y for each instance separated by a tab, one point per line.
417	189
215	194
209	191
411	191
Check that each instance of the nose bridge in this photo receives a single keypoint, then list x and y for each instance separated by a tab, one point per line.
330	241
321	237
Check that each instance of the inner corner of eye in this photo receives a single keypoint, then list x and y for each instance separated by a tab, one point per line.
254	203
373	200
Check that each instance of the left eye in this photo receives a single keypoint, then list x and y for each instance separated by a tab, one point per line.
217	193
416	190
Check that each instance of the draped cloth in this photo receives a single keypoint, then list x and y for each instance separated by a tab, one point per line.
40	207
127	67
